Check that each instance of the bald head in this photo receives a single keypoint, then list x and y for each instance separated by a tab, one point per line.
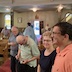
19	38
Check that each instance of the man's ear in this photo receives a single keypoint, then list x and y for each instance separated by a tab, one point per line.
66	36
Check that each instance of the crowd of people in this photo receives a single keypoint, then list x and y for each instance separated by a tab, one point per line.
26	56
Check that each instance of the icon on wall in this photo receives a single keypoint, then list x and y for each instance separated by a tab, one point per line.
36	16
19	20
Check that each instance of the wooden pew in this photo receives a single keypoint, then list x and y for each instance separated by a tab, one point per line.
4	49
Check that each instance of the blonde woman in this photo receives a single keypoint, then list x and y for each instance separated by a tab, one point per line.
47	55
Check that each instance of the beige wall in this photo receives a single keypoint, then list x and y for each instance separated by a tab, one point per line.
1	20
49	17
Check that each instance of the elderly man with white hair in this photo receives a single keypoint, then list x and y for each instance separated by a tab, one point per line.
13	47
28	54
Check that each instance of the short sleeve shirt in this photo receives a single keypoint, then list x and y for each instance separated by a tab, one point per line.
46	62
28	51
63	60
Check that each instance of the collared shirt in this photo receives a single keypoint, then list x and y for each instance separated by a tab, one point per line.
13	49
28	51
63	60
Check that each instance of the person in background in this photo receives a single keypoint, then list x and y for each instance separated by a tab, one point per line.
13	47
5	32
47	55
28	54
47	27
30	32
62	36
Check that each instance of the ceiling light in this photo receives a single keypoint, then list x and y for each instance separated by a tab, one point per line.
34	9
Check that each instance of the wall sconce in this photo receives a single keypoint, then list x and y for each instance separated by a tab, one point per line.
7	9
60	7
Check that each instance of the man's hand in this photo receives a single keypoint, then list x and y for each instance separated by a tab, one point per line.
17	57
25	61
11	43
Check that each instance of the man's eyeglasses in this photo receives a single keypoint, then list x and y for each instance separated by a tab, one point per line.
56	33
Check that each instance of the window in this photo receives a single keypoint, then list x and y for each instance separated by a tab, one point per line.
8	21
37	29
68	16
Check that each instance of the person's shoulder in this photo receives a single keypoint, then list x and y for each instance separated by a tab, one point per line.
28	28
42	51
2	30
68	59
69	54
54	51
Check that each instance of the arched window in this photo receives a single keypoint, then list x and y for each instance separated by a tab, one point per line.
68	16
8	21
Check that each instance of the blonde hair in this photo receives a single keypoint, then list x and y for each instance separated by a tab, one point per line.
47	33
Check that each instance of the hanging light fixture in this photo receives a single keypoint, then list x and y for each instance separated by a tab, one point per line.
8	9
34	9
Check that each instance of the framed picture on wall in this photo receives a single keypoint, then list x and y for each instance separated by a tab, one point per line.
19	20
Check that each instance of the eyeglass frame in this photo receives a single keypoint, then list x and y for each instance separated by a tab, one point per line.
56	33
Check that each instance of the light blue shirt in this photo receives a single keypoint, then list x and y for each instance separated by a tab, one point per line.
30	32
13	49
